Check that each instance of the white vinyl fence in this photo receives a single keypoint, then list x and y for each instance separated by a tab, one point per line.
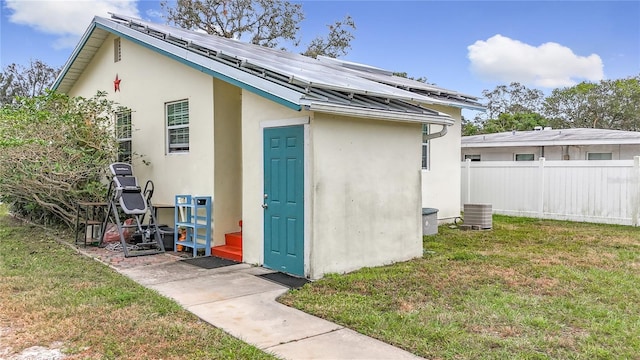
604	191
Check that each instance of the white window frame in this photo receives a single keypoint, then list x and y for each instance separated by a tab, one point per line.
426	151
533	157
599	154
123	135
473	157
178	148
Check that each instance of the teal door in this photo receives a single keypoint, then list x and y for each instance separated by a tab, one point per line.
284	199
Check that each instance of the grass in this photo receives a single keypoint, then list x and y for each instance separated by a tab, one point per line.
528	289
51	294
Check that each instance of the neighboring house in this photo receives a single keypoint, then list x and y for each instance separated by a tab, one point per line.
552	144
320	158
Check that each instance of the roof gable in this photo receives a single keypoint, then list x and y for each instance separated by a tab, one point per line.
293	80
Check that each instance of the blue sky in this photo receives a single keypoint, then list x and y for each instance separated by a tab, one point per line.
466	46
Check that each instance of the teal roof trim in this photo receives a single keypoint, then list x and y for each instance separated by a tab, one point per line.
74	55
289	79
207	71
215	74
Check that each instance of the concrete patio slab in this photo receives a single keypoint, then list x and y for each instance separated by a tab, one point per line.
149	275
257	270
259	320
234	299
209	287
343	344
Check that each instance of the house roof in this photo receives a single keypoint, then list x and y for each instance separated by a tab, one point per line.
552	137
293	80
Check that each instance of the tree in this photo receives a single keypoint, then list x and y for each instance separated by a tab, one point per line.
54	150
512	99
17	80
608	104
337	42
470	127
404	74
510	122
5	91
263	22
509	107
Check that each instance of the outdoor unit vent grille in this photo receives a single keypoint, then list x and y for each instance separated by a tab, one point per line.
478	216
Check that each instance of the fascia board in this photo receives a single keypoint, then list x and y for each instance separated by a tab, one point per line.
551	143
459	105
440	119
74	55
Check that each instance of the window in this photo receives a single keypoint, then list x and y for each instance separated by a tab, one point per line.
117	50
525	157
598	156
472	157
123	136
425	147
177	126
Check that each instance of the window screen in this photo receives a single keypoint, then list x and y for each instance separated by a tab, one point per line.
524	157
123	136
177	126
598	156
425	147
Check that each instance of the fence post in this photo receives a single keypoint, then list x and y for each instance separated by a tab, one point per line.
468	164
541	188
635	192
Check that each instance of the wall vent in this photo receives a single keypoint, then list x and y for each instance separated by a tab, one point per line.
478	216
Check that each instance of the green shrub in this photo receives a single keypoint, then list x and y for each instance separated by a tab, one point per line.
54	151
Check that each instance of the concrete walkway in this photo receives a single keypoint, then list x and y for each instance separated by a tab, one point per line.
234	299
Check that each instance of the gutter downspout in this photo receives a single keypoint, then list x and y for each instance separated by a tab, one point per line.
440	133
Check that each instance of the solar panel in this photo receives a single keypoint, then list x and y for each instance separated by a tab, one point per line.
297	69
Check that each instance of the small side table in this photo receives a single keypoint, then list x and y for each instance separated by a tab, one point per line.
89	218
156	207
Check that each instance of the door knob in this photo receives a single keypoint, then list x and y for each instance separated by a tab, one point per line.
264	206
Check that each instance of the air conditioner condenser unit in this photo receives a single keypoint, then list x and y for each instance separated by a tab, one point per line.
478	216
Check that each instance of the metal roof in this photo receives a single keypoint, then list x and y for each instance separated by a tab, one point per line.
293	80
552	137
437	94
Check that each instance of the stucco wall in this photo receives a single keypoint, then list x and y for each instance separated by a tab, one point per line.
228	160
366	186
256	110
363	177
508	154
575	152
441	183
148	81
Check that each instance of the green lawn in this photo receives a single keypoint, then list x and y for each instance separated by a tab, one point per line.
528	289
49	293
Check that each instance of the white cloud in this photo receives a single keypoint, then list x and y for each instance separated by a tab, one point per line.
153	13
66	19
549	65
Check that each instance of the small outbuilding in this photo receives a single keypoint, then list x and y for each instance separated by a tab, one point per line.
552	144
319	158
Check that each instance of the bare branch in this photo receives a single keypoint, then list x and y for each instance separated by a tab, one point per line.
266	23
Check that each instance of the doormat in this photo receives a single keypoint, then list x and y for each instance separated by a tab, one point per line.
289	281
210	262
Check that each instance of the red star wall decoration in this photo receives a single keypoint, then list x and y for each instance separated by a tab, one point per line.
116	84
